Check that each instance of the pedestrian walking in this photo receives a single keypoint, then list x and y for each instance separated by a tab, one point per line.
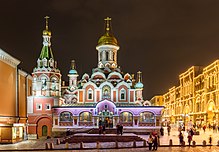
121	129
210	140
161	131
104	129
150	142
100	129
181	138
189	138
155	142
204	128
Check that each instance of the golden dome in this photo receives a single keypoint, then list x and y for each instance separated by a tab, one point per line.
47	32
108	37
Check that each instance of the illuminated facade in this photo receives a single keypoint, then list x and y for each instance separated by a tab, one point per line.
157	101
107	96
196	98
15	86
46	89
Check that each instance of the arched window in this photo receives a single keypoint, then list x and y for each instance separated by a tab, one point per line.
122	94
66	116
90	94
85	116
107	56
147	117
126	117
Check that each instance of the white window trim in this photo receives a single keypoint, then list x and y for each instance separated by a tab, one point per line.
48	104
121	91
92	94
37	105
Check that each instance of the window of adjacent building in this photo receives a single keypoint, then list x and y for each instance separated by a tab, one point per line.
122	94
90	94
48	106
39	106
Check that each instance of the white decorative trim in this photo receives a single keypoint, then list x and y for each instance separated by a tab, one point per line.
23	73
8	59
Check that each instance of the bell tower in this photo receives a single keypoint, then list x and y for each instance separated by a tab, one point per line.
107	48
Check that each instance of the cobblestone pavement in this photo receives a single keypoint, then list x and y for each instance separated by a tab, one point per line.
160	149
164	141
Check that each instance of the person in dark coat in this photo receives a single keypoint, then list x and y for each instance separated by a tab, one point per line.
104	129
150	142
161	131
155	142
117	129
121	129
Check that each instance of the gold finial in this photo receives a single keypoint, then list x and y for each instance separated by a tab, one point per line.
47	17
139	76
108	19
73	64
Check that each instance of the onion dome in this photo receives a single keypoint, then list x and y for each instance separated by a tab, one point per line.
139	84
107	38
73	71
46	51
47	31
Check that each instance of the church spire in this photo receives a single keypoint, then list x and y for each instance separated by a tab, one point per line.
46	51
139	76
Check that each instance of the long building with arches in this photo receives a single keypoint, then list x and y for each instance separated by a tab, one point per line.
107	96
196	99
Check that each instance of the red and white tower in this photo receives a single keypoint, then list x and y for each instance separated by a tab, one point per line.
46	90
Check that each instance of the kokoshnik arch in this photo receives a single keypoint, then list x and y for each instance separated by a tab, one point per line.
106	97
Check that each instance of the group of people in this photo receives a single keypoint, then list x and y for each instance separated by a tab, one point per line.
153	142
119	129
190	136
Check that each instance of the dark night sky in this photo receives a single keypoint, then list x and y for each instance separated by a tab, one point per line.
161	38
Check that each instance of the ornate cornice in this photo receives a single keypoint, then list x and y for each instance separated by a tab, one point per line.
8	59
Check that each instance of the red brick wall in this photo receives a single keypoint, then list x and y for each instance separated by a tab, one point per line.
43	101
44	121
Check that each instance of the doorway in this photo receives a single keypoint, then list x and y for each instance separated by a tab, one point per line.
44	130
106	118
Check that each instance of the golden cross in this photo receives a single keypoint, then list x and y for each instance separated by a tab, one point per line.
46	17
108	19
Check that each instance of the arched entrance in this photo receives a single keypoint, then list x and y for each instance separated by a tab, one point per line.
106	118
210	113
44	130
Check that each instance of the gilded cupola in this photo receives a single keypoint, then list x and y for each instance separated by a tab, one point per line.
108	38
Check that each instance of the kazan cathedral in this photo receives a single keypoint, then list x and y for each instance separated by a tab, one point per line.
105	97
